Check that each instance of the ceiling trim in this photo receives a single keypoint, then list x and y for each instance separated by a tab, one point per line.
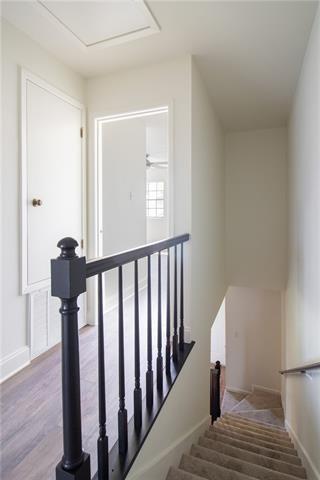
151	29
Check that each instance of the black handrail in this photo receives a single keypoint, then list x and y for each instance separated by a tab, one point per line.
302	369
105	264
68	280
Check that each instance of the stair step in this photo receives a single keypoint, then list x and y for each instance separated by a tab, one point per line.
209	470
267	452
255	441
254	428
252	457
272	417
258	423
178	474
285	442
227	461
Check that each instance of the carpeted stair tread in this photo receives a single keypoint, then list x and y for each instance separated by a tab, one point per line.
178	474
252	457
269	416
284	437
252	447
255	427
244	419
256	441
209	470
229	462
286	442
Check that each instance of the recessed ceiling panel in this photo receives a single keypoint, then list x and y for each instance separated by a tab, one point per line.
102	22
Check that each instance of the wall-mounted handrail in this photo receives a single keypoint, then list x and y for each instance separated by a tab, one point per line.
302	369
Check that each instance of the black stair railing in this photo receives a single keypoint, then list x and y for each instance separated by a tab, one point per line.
215	378
68	277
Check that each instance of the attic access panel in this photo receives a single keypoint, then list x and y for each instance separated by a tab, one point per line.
101	23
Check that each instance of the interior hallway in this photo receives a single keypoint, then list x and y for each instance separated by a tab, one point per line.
31	400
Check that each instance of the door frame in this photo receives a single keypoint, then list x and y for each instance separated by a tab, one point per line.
26	77
98	121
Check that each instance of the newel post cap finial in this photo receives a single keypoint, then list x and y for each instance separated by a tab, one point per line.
68	247
68	271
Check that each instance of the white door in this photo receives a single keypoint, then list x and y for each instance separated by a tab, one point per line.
52	197
54	178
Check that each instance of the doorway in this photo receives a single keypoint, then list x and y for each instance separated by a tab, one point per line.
134	176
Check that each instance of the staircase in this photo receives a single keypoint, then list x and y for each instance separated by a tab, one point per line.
248	442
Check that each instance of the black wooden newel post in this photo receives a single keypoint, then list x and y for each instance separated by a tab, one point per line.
68	281
122	413
159	357
215	410
168	331
102	444
181	328
149	374
137	396
175	309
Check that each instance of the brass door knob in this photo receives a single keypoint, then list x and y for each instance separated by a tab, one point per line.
36	202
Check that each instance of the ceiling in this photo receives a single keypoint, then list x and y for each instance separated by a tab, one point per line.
250	53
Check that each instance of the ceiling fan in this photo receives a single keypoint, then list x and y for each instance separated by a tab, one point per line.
155	163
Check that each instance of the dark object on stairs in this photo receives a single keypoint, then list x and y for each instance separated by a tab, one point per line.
215	374
68	280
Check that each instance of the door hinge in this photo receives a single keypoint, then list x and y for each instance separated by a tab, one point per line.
82	244
81	132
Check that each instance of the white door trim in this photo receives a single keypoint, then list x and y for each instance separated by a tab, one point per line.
26	77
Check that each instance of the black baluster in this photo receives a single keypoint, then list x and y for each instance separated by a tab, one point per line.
102	445
122	413
175	310
159	357
149	374
181	328
68	281
137	396
168	332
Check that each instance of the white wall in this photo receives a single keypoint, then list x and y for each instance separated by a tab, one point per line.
302	323
256	171
253	340
173	84
218	336
123	147
19	51
137	89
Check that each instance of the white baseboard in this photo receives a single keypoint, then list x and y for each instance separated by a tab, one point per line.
253	388
158	467
312	471
128	293
13	363
265	389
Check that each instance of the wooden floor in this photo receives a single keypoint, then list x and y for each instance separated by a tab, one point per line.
31	425
31	430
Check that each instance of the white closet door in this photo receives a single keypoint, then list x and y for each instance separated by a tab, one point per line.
54	177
